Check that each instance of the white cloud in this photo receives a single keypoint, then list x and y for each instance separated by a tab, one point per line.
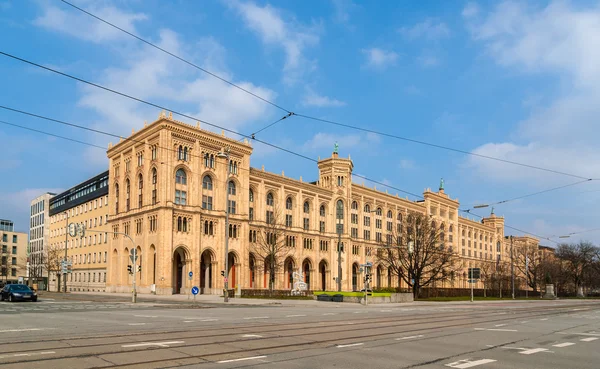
294	38
346	143
342	9
429	29
379	58
562	42
79	25
407	164
313	99
428	61
470	10
17	204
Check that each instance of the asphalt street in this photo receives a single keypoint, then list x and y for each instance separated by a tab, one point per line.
503	334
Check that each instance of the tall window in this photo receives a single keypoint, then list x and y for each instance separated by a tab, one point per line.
354	205
154	180
270	200
306	216
209	160
231	188
180	187
154	152
231	204
207	199
116	198
288	203
322	210
251	200
180	177
127	193
367	208
140	190
251	195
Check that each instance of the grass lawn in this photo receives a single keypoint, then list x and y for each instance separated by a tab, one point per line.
279	297
353	294
468	298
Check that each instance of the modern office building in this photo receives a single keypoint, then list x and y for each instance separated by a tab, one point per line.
13	253
86	204
168	188
37	273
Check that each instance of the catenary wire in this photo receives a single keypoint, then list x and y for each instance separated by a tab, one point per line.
205	122
51	134
315	118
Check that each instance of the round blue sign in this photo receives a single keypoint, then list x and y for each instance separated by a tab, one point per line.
195	290
190	274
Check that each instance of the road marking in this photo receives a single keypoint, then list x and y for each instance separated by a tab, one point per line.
29	354
564	344
349	345
533	351
23	330
524	321
294	316
146	316
463	364
252	336
581	334
544	319
257	317
500	325
330	314
136	323
161	344
241	359
496	329
590	339
210	320
385	311
409	337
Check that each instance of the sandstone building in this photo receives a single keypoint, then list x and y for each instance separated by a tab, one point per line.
13	253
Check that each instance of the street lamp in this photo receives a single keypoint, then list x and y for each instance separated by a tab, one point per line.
225	155
480	206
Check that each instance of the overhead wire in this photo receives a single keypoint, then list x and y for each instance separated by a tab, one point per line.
315	118
51	134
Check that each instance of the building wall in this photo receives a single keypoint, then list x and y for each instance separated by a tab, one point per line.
172	239
13	255
38	239
88	206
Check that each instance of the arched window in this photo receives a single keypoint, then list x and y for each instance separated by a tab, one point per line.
306	207
399	217
463	232
154	181
140	190
179	224
207	183
210	228
451	228
184	224
322	210
231	188
433	225
206	227
389	214
180	177
116	198
235	168
354	205
212	161
180	153
231	166
207	160
340	209
378	211
251	195
288	203
270	200
185	154
367	208
127	193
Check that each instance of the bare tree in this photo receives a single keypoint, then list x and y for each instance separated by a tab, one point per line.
529	264
486	274
577	259
501	275
416	252
53	262
271	245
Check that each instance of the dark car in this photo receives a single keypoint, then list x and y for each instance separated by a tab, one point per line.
14	292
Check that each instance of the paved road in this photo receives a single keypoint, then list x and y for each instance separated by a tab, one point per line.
78	334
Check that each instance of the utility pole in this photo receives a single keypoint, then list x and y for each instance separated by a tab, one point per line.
512	268
66	245
526	276
226	284
339	278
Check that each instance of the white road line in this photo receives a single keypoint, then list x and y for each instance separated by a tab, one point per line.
385	311
564	344
252	336
330	314
294	316
241	359
590	339
500	325
161	344
496	329
409	337
533	351
24	330
257	317
463	364
544	319
210	320
524	321
349	345
136	323
29	354
581	334
188	321
146	316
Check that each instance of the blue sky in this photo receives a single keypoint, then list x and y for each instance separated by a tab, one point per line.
513	80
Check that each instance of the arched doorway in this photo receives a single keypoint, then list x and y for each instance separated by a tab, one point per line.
289	271
252	271
231	261
323	274
379	275
355	271
179	258
206	282
306	267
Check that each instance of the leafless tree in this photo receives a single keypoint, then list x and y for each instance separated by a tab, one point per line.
577	259
415	251
486	273
54	257
271	245
529	264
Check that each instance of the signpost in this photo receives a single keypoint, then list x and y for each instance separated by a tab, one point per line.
474	275
133	257
195	289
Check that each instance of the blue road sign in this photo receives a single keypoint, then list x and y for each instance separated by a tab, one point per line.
195	290
190	274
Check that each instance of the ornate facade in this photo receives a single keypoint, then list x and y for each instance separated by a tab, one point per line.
168	187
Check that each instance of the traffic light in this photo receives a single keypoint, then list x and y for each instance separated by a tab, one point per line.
222	273
139	268
129	269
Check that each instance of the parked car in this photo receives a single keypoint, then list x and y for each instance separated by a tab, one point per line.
15	292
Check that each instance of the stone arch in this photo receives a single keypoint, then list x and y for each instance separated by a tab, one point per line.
355	273
114	261
307	266
252	263
233	260
151	262
181	258
207	260
289	266
323	268
379	275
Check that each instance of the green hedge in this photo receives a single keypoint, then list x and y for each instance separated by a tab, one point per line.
352	294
